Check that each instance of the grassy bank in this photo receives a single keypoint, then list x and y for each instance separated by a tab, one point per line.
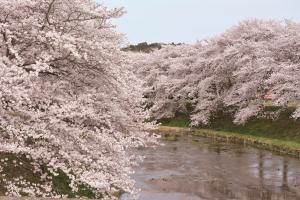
281	135
280	146
13	166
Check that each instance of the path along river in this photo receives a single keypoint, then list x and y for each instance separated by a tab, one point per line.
195	168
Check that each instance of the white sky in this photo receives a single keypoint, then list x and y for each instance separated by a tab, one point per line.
191	20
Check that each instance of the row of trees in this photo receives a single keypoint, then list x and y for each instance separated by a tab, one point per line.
143	47
237	71
68	97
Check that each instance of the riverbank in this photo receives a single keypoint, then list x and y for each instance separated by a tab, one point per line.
280	134
279	146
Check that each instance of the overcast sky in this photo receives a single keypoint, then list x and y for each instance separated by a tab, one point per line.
191	20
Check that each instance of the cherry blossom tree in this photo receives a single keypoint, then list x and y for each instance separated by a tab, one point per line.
235	70
68	97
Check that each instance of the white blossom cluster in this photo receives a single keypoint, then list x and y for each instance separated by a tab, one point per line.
234	70
68	97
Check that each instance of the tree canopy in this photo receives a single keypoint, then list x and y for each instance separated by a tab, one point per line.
68	99
238	70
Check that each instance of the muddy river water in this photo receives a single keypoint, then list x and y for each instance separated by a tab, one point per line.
195	168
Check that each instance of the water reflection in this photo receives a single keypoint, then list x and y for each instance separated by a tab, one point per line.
284	174
198	168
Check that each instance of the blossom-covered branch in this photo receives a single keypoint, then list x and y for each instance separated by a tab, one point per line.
68	98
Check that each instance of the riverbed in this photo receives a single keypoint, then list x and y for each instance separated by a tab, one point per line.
195	168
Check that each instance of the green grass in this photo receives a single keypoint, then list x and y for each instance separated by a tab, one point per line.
177	121
283	128
281	133
280	146
231	136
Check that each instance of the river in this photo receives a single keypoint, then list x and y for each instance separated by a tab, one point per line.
195	168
